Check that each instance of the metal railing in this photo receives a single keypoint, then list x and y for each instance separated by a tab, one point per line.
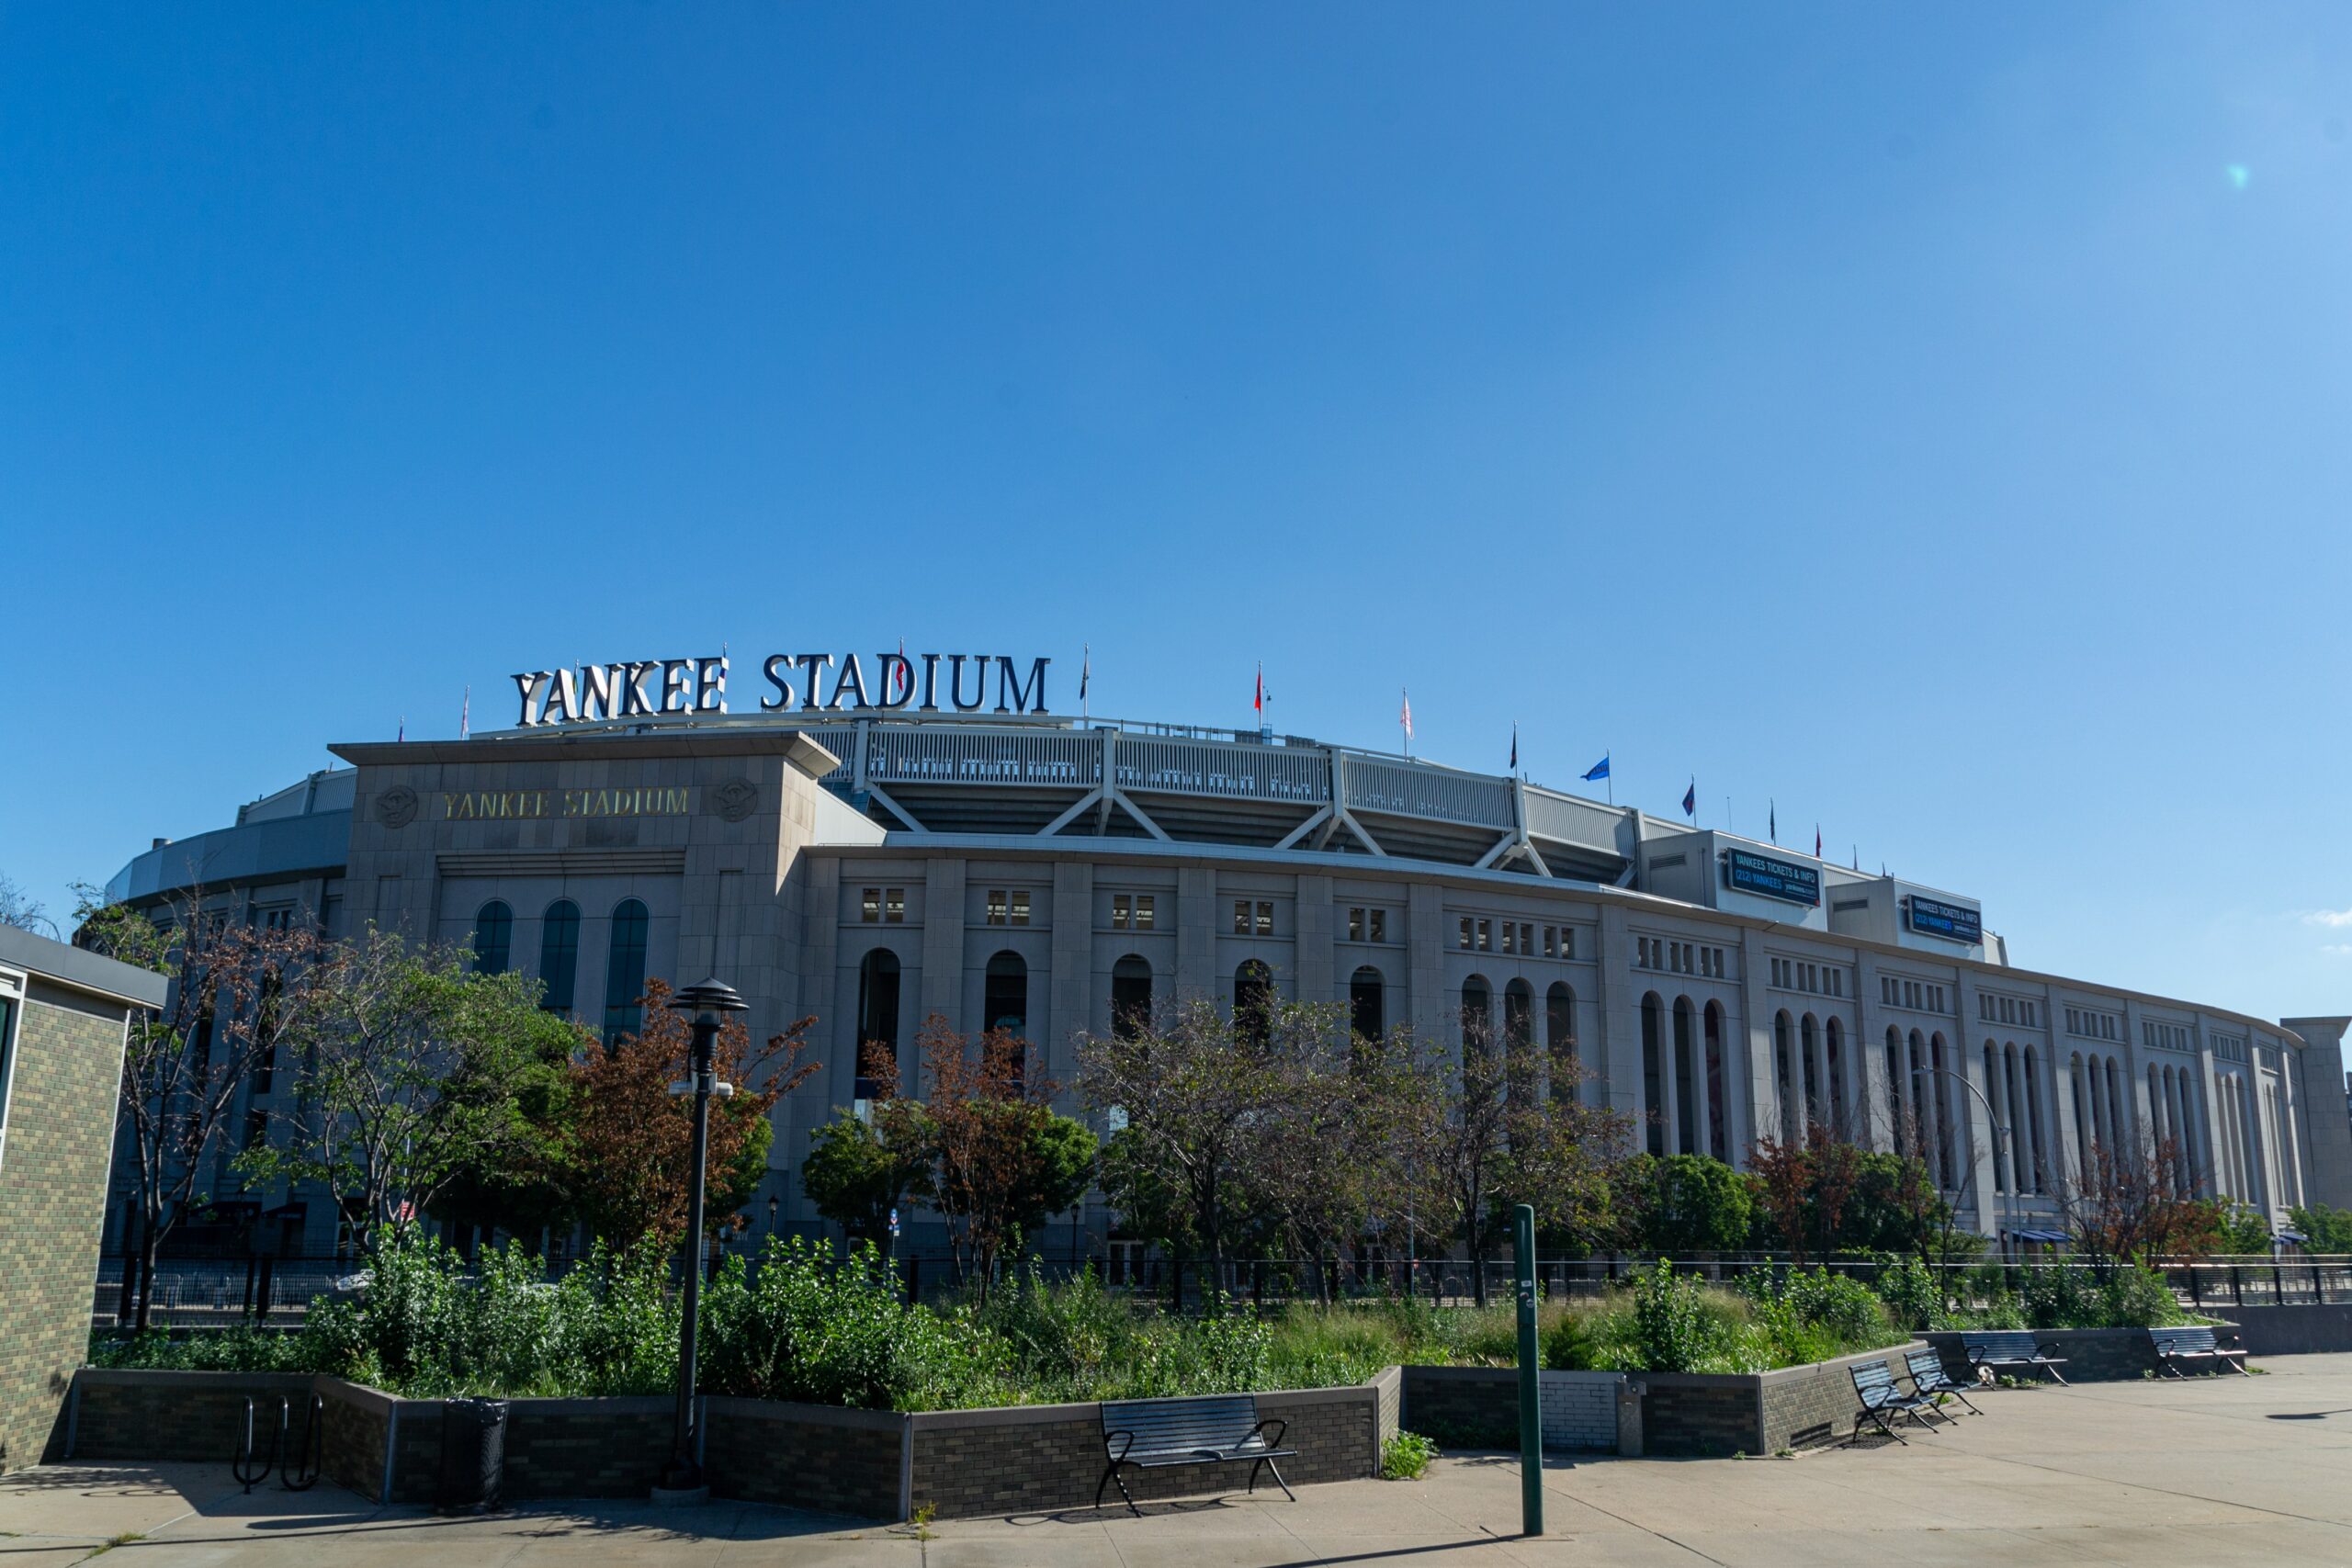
276	1291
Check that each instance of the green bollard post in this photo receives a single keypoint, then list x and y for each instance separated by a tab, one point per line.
1530	1407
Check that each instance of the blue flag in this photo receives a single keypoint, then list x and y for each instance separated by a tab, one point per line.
1514	748
1599	770
1690	799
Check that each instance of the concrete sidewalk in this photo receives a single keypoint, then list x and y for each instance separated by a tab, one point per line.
2209	1472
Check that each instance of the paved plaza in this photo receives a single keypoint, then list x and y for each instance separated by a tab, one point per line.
2207	1472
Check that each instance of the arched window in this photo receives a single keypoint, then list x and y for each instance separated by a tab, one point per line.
2020	1152
1367	1004
493	937
2118	1125
878	1025
1253	1000
1944	1125
1808	1033
559	954
1834	1065
1923	1105
1130	997
1519	1015
1783	1044
1654	1072
1718	1131
2082	1114
1894	1088
1477	1016
2033	1124
625	973
1992	1093
1686	1097
1004	999
1560	1037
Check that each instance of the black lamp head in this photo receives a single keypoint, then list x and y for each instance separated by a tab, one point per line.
711	996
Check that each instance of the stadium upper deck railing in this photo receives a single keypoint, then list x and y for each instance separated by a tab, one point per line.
1172	760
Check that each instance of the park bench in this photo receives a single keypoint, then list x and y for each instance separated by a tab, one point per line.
1876	1386
1929	1375
2173	1345
1995	1348
1152	1434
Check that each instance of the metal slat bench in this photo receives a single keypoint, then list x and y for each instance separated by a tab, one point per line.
1994	1349
1928	1375
1153	1434
2173	1345
1874	1385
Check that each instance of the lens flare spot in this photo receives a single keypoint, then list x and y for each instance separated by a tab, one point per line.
2240	176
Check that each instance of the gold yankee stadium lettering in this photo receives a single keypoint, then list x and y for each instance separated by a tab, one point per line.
508	805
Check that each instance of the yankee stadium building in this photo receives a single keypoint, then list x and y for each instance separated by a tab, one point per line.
877	841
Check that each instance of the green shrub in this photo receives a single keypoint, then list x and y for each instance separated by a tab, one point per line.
429	1323
1405	1456
1571	1345
1913	1295
2137	1297
806	1329
1673	1329
2071	1295
204	1350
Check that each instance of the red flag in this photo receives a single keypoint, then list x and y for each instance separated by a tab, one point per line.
1258	702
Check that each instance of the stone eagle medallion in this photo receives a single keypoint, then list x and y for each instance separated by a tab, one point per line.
736	799
396	807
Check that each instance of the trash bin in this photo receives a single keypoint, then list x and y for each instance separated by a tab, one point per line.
473	1456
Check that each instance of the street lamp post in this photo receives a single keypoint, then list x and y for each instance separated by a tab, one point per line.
2000	1141
705	1002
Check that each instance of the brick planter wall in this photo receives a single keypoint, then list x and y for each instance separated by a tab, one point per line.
1579	1411
1047	1456
177	1415
1463	1407
2293	1330
357	1426
873	1464
808	1456
2092	1355
1757	1412
1478	1407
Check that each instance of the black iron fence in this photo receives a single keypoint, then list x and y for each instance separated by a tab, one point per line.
277	1291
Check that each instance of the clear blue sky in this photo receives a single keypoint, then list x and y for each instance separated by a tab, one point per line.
1934	419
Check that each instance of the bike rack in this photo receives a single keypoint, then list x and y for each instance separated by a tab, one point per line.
299	1470
240	1462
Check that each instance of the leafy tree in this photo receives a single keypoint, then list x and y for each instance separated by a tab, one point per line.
2330	1229
1332	1163
2126	1203
1199	1095
1002	1158
1485	1135
632	1141
227	1015
1823	1195
21	909
858	1170
1697	1204
1894	1207
413	1075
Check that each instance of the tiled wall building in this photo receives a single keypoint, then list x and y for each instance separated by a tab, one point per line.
874	867
62	1018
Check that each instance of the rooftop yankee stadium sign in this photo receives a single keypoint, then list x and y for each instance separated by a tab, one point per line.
648	688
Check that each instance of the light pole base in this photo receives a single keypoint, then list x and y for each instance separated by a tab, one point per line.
680	1496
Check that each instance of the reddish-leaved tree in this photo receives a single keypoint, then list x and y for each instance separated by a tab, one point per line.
632	1139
